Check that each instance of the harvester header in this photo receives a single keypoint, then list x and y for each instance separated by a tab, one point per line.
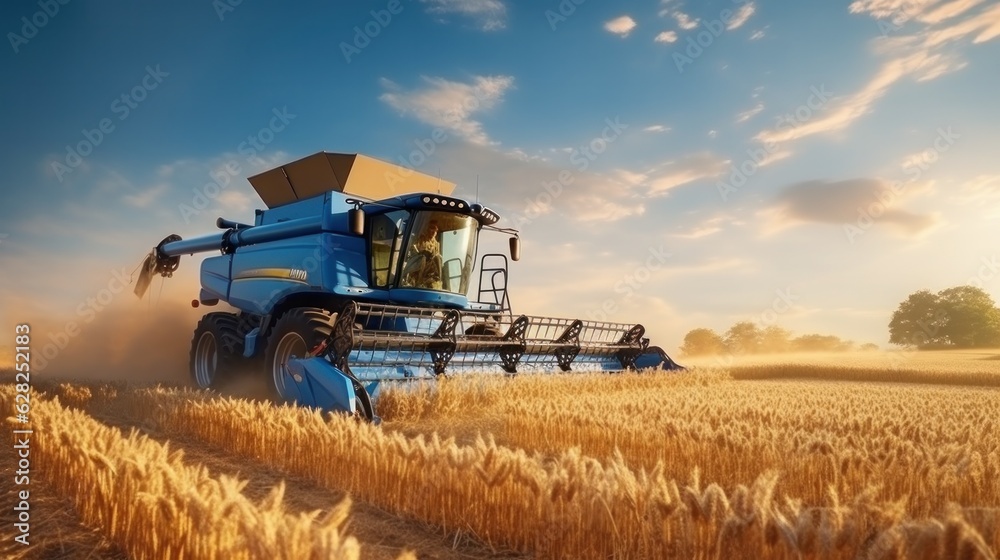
360	271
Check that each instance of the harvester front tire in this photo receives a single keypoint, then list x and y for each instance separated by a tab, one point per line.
295	333
212	353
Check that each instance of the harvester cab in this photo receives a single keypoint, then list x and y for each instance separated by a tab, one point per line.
360	271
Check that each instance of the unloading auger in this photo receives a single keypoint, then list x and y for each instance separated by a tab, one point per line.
359	272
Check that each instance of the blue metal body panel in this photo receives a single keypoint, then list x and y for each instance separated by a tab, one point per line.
205	296
645	361
316	382
345	261
309	208
656	358
264	274
215	276
250	343
411	296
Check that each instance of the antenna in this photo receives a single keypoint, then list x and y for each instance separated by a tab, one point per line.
477	188
439	180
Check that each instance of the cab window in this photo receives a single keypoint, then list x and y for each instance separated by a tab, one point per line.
386	234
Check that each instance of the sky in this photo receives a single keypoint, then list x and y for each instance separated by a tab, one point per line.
673	163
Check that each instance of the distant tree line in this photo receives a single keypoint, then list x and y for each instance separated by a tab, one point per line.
746	337
960	317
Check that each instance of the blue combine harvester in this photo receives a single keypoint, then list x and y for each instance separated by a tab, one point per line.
360	271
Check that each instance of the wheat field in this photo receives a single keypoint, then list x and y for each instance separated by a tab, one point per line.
856	456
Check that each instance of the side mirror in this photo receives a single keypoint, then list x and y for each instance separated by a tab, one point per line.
356	219
515	248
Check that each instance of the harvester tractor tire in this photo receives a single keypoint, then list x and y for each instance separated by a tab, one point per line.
296	333
214	352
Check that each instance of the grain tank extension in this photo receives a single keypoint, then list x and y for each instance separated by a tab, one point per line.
359	272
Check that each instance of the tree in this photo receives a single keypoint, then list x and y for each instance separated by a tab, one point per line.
973	321
869	347
964	317
700	342
743	338
918	321
775	339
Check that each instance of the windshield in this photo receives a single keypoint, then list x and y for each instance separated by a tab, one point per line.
440	252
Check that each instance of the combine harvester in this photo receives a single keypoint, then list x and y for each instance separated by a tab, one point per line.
358	272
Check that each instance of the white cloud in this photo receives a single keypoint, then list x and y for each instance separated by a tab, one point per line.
979	189
621	26
523	189
750	113
687	169
698	232
631	177
450	105
777	155
984	25
757	34
684	21
144	199
488	15
708	227
534	188
948	10
841	202
842	112
666	37
743	14
921	56
656	128
881	9
899	12
234	201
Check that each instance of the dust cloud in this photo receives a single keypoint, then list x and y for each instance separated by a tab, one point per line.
132	342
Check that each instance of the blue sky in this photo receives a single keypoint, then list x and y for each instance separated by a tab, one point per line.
832	107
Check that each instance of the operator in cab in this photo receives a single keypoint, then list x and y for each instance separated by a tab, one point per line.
423	262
